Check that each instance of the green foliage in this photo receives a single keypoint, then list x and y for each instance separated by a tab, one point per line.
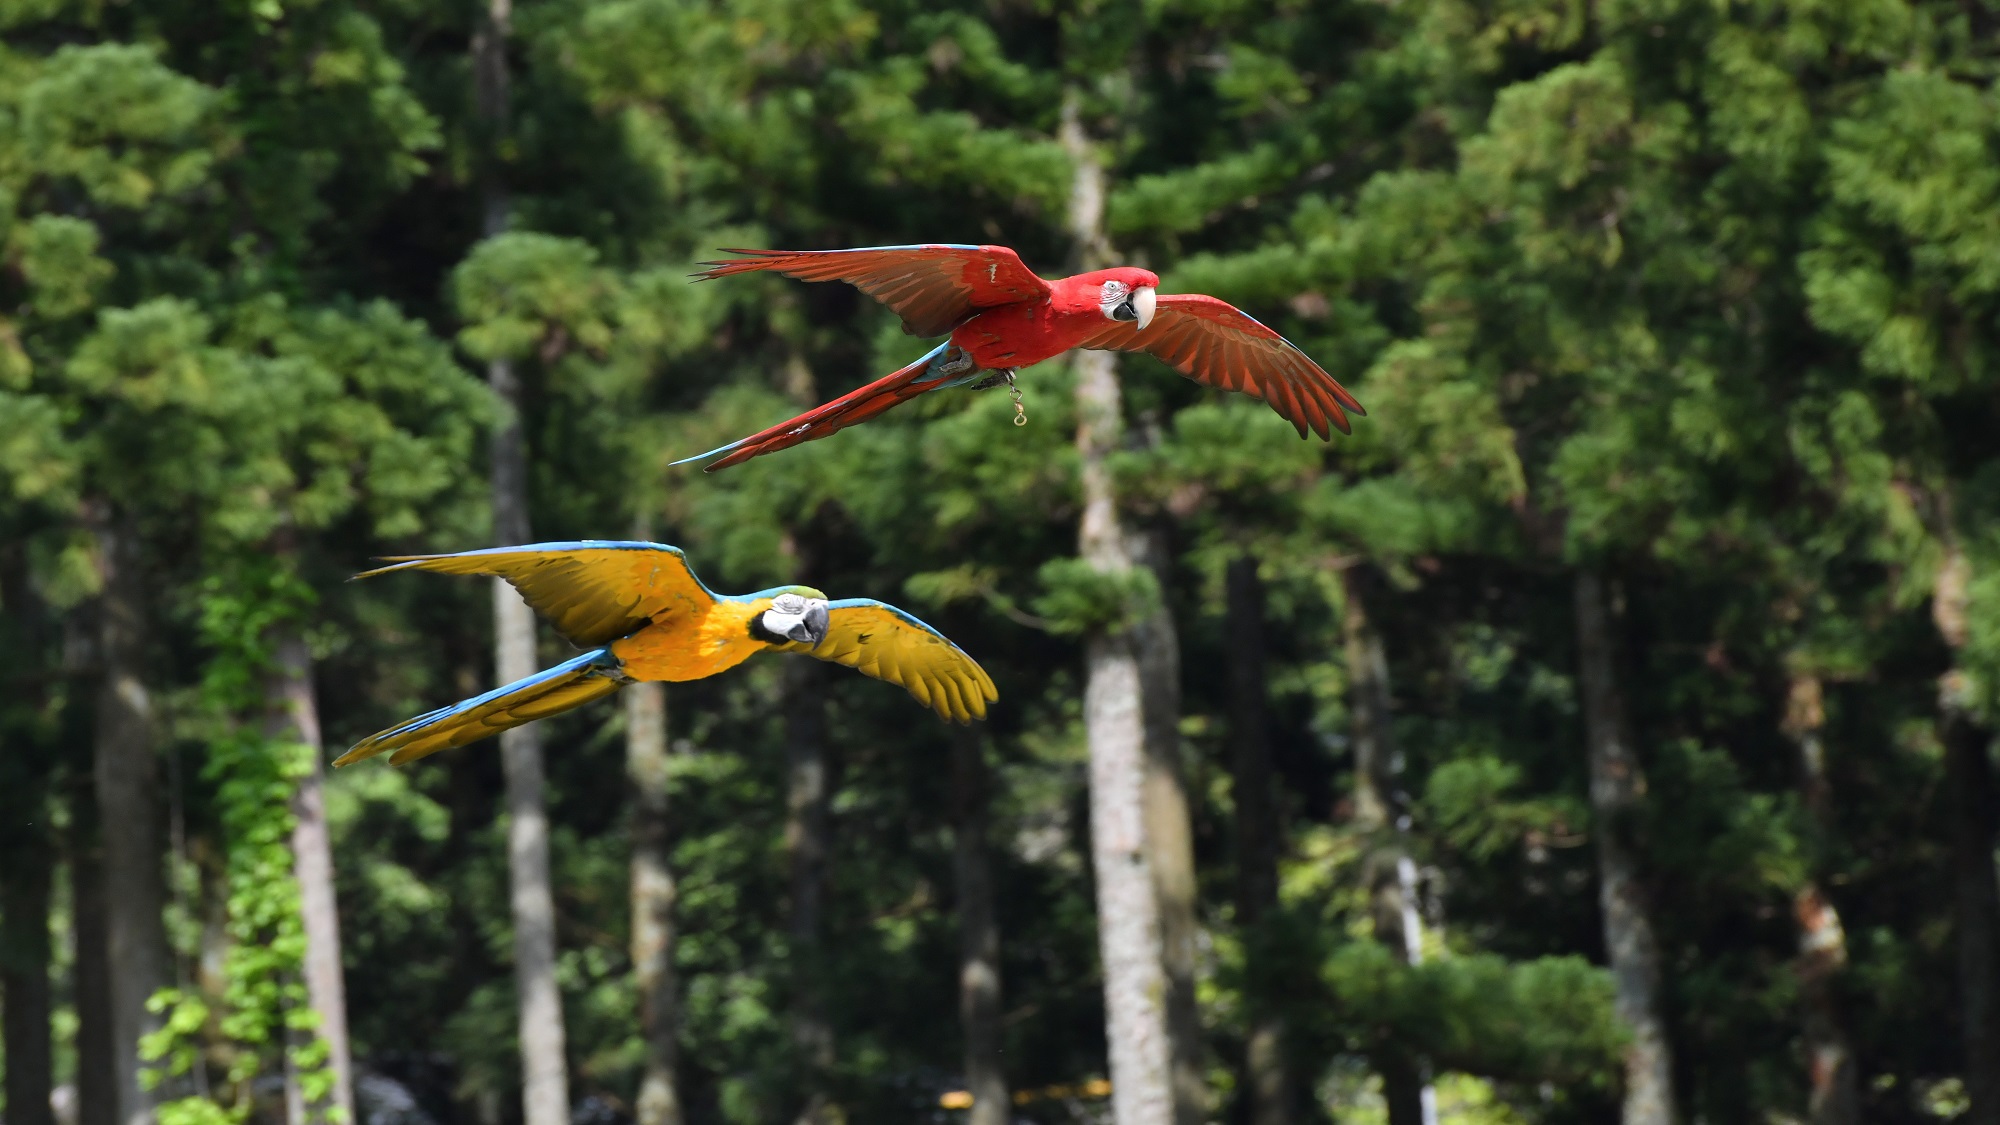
1077	598
114	122
523	292
254	776
1550	1019
1476	807
1702	296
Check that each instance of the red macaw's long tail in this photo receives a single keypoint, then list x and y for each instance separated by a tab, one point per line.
943	366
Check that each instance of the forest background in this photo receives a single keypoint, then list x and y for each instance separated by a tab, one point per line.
1602	732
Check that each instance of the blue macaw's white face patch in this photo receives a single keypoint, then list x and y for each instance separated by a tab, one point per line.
797	618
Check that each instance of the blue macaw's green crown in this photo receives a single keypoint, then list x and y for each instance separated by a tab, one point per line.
802	591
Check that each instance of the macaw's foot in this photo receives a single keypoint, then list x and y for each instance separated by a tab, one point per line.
1006	375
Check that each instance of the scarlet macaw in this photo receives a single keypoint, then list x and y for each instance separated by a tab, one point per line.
645	617
1001	317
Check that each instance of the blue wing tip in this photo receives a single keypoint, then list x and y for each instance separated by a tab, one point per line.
396	737
716	452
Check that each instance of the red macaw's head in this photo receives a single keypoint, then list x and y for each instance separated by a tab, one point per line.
1125	293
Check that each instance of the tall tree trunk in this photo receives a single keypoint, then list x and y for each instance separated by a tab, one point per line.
1127	912
979	933
1834	1089
1128	909
653	903
1974	820
27	771
24	952
294	716
96	1065
1369	699
1617	787
809	840
1170	838
1267	1081
1969	781
127	773
1390	873
544	1068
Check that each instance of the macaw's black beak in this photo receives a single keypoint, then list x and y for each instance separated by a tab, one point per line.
811	629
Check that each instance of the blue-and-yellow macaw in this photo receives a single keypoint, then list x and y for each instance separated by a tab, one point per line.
645	617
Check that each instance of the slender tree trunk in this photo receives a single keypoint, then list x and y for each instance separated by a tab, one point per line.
491	89
96	1066
1617	787
979	933
1369	698
1267	1082
27	771
1974	820
1129	914
1834	1089
25	955
1128	909
1969	781
1170	839
1390	873
653	903
294	716
127	772
809	840
544	1068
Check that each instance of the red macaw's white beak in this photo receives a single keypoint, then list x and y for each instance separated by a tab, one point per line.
1144	302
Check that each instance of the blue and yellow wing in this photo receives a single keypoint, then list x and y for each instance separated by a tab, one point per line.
593	591
882	641
551	691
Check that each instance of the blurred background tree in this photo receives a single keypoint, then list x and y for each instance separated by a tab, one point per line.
1601	732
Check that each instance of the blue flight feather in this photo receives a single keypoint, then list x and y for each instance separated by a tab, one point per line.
601	657
717	452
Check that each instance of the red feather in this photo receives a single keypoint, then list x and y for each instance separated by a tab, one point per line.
1003	317
934	288
1214	342
858	405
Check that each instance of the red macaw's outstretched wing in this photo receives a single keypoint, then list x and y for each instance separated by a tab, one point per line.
932	287
1214	342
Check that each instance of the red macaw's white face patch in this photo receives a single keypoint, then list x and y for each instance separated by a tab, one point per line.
1121	302
1111	297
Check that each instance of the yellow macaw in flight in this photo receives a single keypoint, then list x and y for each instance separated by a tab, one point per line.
645	617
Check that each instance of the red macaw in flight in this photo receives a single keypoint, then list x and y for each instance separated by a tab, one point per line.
1001	317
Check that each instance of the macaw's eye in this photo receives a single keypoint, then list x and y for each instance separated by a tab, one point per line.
1115	301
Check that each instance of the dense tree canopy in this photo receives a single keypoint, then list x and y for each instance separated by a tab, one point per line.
1685	312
